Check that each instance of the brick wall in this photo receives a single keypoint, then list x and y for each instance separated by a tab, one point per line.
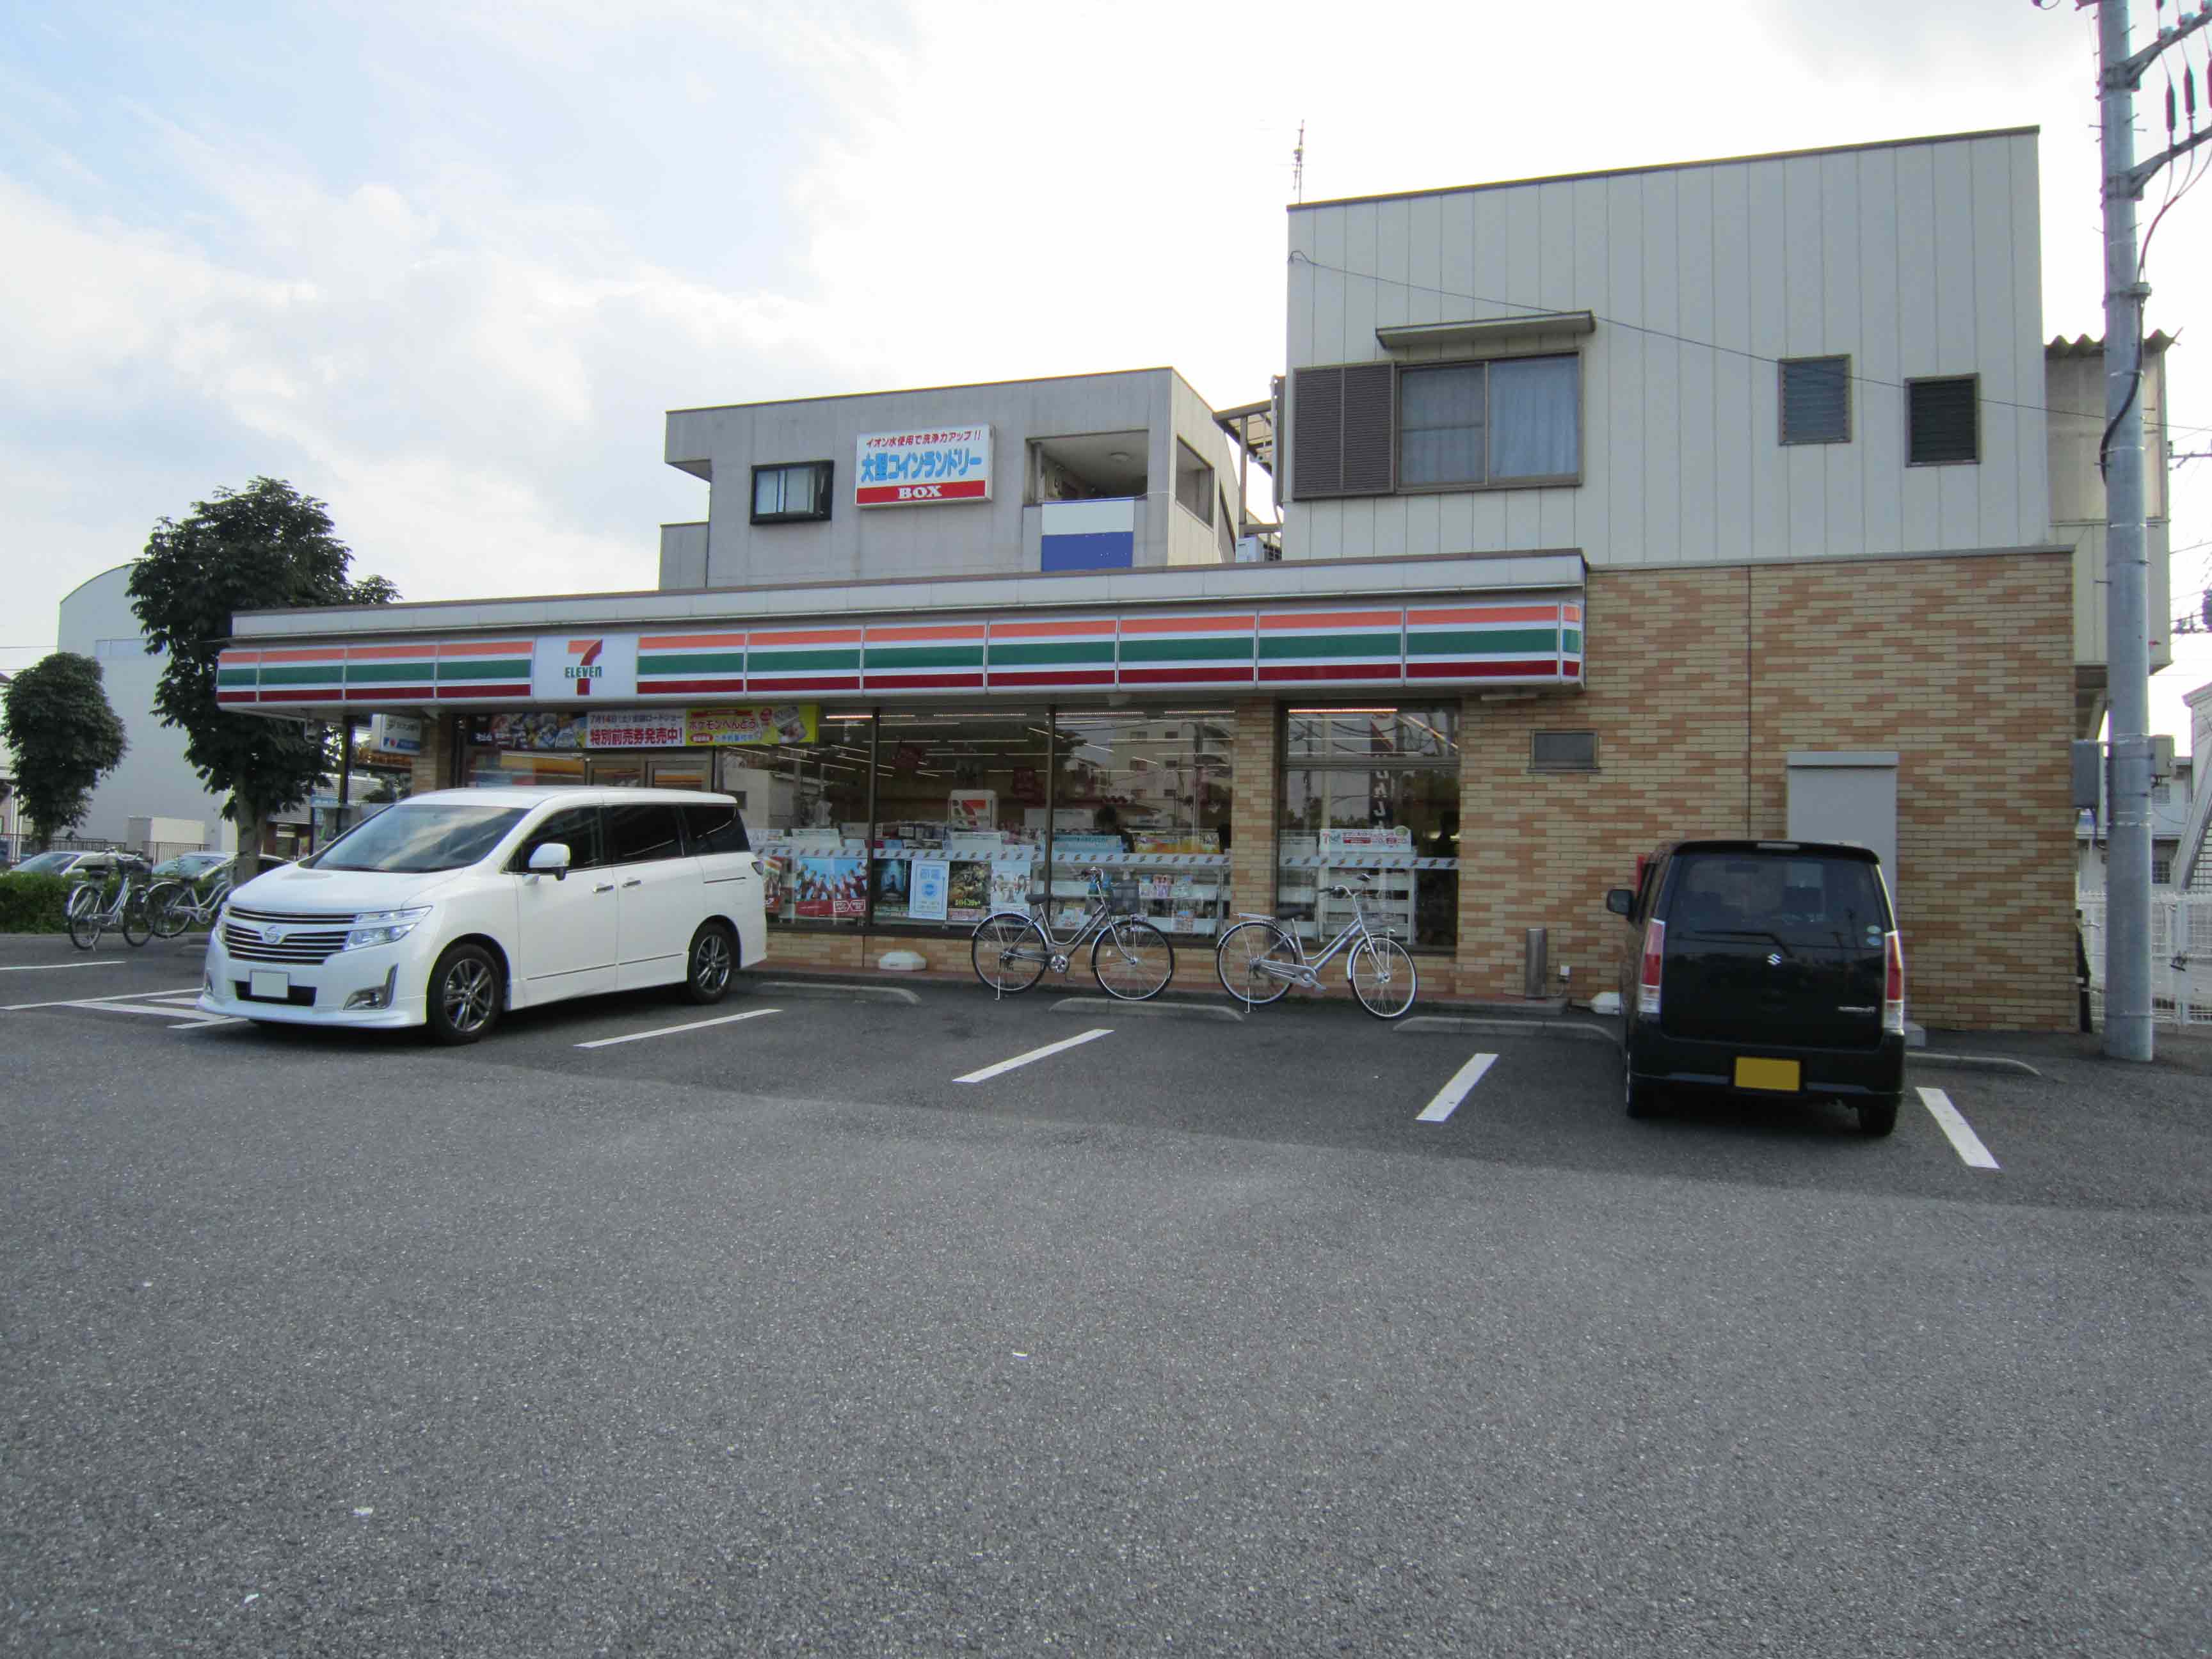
433	768
1701	682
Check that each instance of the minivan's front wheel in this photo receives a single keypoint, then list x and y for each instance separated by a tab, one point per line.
714	957
464	1000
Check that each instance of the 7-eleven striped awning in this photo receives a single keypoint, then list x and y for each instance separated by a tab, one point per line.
1489	639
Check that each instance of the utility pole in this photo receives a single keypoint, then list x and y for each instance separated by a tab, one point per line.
2127	617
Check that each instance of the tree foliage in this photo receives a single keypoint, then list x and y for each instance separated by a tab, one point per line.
266	547
55	717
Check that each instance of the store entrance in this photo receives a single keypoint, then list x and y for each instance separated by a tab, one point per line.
684	771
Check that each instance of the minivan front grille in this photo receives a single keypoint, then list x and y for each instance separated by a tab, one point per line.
281	936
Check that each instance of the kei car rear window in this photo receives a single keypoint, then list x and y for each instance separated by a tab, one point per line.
1794	900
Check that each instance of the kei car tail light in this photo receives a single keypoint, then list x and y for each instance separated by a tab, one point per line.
1655	956
1893	987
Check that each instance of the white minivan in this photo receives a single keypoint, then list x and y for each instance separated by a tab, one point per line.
450	907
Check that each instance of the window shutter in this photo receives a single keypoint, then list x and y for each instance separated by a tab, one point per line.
1941	421
1343	431
1816	407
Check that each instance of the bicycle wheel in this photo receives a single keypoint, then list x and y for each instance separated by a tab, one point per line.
1382	978
1242	957
1010	950
166	909
82	898
1133	960
137	920
85	922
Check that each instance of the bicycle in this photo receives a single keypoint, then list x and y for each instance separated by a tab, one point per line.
88	917
175	905
1259	959
1011	949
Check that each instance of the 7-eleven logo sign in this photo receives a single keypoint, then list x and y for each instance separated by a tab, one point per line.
584	664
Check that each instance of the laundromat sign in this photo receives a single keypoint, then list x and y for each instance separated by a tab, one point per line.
916	469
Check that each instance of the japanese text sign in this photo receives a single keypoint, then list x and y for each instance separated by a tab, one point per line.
941	464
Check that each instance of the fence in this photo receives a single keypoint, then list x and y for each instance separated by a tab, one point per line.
2180	955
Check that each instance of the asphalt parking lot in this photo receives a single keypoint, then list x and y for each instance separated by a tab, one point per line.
821	1322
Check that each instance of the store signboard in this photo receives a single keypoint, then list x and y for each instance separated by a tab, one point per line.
566	669
395	734
635	728
736	724
910	469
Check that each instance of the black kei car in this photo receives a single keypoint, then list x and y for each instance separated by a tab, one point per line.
1766	969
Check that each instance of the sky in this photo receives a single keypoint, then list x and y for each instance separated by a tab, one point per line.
445	267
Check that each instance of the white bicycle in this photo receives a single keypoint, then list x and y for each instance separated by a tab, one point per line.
1260	958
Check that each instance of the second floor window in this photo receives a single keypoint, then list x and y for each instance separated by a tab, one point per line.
1518	420
791	493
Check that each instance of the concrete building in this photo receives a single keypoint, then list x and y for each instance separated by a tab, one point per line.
1616	507
153	781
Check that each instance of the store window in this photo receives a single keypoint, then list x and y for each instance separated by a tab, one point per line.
1371	796
960	816
1144	795
807	803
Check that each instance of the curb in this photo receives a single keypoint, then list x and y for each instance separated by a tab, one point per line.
1524	1027
830	987
1154	1008
1971	1062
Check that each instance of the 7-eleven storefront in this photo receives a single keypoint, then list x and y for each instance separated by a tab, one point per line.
1222	740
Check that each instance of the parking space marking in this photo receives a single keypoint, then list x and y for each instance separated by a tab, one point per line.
1957	1130
179	1018
80	1002
689	1025
49	966
1035	1055
1447	1099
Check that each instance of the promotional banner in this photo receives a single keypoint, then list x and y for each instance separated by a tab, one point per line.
830	888
586	668
734	724
931	889
904	469
540	729
970	896
635	728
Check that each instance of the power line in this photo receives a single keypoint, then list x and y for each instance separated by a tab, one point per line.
1297	258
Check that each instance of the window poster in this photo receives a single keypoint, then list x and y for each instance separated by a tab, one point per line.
970	893
929	890
1010	887
830	888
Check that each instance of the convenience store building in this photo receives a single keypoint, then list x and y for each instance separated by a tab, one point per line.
1694	512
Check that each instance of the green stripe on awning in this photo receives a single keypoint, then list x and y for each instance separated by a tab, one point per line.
783	662
363	673
925	656
692	662
236	675
484	668
1184	648
1010	654
1361	646
1484	642
304	674
1572	641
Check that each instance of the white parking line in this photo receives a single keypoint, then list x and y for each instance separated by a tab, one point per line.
1957	1130
1447	1099
80	1002
670	1030
989	1071
48	967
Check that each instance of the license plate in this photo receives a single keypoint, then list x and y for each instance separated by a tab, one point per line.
1777	1075
263	984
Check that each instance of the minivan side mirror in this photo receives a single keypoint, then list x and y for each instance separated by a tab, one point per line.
550	857
1621	900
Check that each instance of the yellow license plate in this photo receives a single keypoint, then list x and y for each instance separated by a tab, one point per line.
1782	1074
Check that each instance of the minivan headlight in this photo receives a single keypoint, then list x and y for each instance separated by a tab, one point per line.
383	927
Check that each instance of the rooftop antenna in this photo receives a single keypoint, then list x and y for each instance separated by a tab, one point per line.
1298	165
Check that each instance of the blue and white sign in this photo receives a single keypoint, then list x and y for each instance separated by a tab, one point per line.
930	889
909	469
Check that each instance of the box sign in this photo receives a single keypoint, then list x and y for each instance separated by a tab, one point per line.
735	726
573	670
395	734
917	469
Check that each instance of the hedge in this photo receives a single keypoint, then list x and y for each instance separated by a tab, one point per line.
31	903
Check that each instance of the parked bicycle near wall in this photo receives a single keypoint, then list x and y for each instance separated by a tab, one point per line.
1130	958
1260	958
91	911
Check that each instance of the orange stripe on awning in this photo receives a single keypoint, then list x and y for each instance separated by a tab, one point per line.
1052	630
483	648
940	631
1184	624
237	657
1574	613
1492	613
1333	619
388	653
692	643
810	637
325	653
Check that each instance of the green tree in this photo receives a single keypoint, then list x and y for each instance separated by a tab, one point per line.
54	716
266	547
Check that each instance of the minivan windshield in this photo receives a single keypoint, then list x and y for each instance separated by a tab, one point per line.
1790	899
409	839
